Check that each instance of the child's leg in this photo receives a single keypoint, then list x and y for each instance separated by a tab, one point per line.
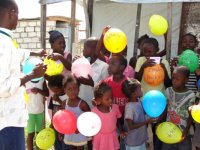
31	131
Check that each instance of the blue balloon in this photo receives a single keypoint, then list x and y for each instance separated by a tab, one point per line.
29	65
198	83
154	103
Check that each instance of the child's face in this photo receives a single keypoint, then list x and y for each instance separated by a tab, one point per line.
148	50
59	45
188	42
72	90
115	65
178	80
139	92
106	99
57	90
87	51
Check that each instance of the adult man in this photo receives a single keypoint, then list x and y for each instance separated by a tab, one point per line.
13	115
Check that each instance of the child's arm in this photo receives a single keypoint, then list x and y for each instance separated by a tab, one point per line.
167	80
100	43
40	54
67	62
185	132
86	81
84	106
57	99
43	92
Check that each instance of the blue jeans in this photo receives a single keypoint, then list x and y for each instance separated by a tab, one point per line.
12	138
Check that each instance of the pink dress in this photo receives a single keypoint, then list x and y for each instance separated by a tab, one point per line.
107	138
129	72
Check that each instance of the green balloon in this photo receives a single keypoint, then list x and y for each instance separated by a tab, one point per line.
189	59
45	138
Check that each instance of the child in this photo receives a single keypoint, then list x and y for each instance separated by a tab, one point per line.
36	90
109	113
188	41
179	100
99	71
58	45
150	48
76	105
135	122
57	102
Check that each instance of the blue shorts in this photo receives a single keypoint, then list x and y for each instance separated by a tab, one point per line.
12	138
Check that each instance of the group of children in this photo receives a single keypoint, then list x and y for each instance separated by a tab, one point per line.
114	91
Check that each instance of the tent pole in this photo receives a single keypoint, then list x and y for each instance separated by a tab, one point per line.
85	6
169	33
43	25
72	24
137	28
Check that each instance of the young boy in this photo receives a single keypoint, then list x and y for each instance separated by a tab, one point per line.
179	100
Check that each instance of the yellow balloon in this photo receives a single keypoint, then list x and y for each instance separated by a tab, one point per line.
158	25
26	97
168	133
45	138
53	67
195	112
115	40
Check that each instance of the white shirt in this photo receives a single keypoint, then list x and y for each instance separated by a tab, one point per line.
12	106
35	103
99	72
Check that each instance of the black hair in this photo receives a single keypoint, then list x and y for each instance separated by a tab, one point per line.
100	89
54	35
7	4
92	42
152	41
183	70
142	38
56	81
71	79
129	86
190	34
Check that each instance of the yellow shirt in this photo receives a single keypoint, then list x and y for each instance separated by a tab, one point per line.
145	86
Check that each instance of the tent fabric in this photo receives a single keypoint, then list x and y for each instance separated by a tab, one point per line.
147	1
123	16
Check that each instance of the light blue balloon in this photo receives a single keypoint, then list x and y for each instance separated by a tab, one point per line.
29	65
154	103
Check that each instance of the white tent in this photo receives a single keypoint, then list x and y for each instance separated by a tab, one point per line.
122	15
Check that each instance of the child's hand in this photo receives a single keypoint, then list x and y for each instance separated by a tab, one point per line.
86	81
60	136
174	62
42	53
39	71
123	134
55	56
184	135
75	58
35	90
105	30
149	63
150	120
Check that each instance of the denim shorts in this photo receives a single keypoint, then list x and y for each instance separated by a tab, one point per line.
12	138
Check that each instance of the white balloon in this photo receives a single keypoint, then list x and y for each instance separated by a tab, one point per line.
89	124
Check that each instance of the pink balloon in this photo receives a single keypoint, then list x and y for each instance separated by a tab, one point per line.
64	122
81	67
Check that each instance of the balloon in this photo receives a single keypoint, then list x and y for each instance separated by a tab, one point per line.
195	112
53	67
29	65
64	122
189	59
115	40
26	97
45	138
198	83
89	124
154	103
154	75
168	133
158	25
81	67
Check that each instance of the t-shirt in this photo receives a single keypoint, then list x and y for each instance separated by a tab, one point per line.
178	104
145	86
118	96
134	111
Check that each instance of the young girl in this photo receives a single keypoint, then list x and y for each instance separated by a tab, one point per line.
57	102
37	91
109	114
58	46
135	122
76	105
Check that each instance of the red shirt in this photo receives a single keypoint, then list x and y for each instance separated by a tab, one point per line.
118	96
